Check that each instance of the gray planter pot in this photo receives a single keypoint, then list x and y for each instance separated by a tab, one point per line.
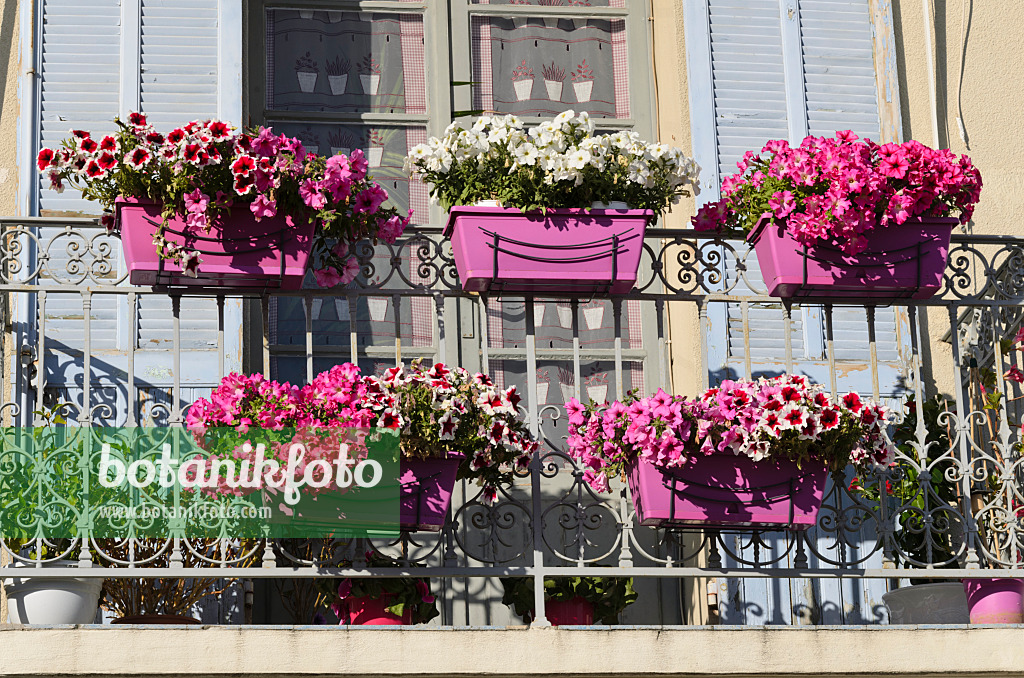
928	604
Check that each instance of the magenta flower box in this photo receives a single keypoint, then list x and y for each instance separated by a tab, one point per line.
900	262
569	251
238	252
367	611
575	612
995	601
728	491
426	491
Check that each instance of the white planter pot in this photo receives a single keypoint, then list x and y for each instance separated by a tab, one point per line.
335	150
568	391
370	83
338	83
594	316
378	308
538	314
554	88
32	600
542	392
943	603
598	393
584	88
375	156
523	89
551	22
334	16
307	80
311	149
305	14
564	315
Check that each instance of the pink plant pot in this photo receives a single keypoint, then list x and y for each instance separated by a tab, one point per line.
575	612
569	251
995	601
426	491
238	252
905	261
729	491
366	611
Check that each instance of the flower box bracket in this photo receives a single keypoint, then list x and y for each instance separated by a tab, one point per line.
905	263
561	252
605	248
772	493
415	489
167	279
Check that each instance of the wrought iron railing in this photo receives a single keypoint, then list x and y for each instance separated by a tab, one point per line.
120	355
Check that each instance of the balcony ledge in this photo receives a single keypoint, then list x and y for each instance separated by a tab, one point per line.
300	651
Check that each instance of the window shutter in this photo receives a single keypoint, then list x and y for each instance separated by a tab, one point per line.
168	67
779	69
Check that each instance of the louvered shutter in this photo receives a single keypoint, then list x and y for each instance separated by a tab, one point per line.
775	75
775	69
171	54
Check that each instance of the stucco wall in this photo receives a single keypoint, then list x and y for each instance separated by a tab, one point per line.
651	651
987	38
984	40
10	71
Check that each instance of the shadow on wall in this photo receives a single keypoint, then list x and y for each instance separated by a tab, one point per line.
8	49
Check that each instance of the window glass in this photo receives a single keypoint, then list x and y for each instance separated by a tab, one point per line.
534	66
345	62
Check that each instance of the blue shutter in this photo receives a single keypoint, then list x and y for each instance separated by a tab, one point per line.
773	69
168	67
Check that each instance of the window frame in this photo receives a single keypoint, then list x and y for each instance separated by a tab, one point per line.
448	42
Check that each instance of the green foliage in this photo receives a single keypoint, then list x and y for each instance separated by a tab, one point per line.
920	484
401	592
609	595
561	163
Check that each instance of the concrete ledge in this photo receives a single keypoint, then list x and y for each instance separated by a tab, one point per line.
137	651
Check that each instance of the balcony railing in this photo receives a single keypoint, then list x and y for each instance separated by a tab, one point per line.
123	355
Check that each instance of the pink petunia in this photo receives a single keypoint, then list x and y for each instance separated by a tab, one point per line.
263	206
327	277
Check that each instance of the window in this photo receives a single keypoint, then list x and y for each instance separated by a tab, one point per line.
385	79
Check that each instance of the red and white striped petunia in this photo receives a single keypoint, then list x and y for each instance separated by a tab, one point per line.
107	161
219	129
109	144
87	145
46	158
138	158
176	136
94	171
243	166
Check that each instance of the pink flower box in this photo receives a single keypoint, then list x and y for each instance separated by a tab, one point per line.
905	261
568	251
729	491
238	252
426	491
